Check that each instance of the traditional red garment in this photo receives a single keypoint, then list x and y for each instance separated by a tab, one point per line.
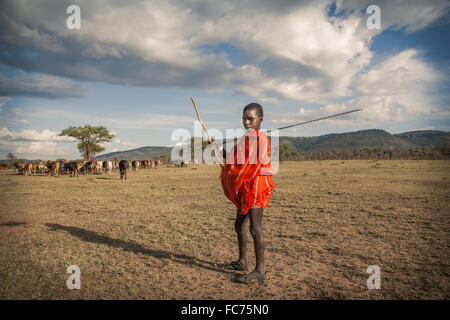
247	175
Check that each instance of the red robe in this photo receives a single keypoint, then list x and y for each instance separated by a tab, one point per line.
247	175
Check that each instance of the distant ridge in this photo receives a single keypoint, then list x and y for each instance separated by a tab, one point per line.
348	141
142	153
368	139
335	141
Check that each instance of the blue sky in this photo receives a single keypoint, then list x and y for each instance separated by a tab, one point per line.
134	67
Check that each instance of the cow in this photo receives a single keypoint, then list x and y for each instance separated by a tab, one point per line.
17	166
135	165
42	167
157	163
2	166
99	166
124	165
20	166
38	167
35	167
56	166
107	166
78	166
180	163
73	167
87	166
49	166
28	168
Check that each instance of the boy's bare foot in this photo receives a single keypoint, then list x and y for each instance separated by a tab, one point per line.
250	277
237	265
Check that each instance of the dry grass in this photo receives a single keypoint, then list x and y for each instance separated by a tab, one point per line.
166	233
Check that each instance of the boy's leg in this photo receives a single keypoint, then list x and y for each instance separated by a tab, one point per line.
256	215
241	232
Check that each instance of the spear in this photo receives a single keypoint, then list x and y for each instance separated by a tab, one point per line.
309	121
268	131
206	130
305	122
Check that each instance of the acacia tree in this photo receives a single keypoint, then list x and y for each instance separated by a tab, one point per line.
11	157
90	138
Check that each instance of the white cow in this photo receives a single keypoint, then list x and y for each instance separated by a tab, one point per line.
107	166
99	166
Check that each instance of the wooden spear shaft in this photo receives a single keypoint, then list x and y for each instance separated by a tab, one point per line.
206	130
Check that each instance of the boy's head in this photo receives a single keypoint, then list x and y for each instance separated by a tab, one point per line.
252	116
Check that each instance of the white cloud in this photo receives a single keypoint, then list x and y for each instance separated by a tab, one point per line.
37	149
413	15
292	50
33	135
125	143
10	122
396	89
3	101
289	49
21	34
47	148
40	85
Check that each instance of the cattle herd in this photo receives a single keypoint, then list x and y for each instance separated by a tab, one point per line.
73	168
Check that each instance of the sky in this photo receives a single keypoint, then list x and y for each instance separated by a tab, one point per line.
134	65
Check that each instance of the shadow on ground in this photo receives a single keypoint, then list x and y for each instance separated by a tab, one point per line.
11	223
91	236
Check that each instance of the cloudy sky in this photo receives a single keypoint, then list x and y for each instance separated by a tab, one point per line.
133	66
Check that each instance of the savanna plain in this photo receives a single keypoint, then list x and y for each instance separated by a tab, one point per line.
168	233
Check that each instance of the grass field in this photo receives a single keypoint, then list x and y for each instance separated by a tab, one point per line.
166	233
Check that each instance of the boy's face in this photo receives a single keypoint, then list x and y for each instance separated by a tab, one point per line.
251	120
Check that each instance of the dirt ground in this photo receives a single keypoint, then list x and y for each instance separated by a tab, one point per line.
166	233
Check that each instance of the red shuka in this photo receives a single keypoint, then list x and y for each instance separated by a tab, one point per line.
247	175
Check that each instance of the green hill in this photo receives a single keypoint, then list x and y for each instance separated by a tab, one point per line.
336	141
360	140
143	153
349	141
425	138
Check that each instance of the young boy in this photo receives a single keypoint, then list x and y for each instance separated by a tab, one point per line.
247	181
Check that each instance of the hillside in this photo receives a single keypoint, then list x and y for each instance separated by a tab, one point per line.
329	142
139	153
367	139
348	141
425	138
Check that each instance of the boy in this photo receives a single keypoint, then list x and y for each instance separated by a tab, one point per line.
247	181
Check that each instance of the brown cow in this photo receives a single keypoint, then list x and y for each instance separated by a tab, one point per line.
21	167
35	167
42	167
28	168
55	168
